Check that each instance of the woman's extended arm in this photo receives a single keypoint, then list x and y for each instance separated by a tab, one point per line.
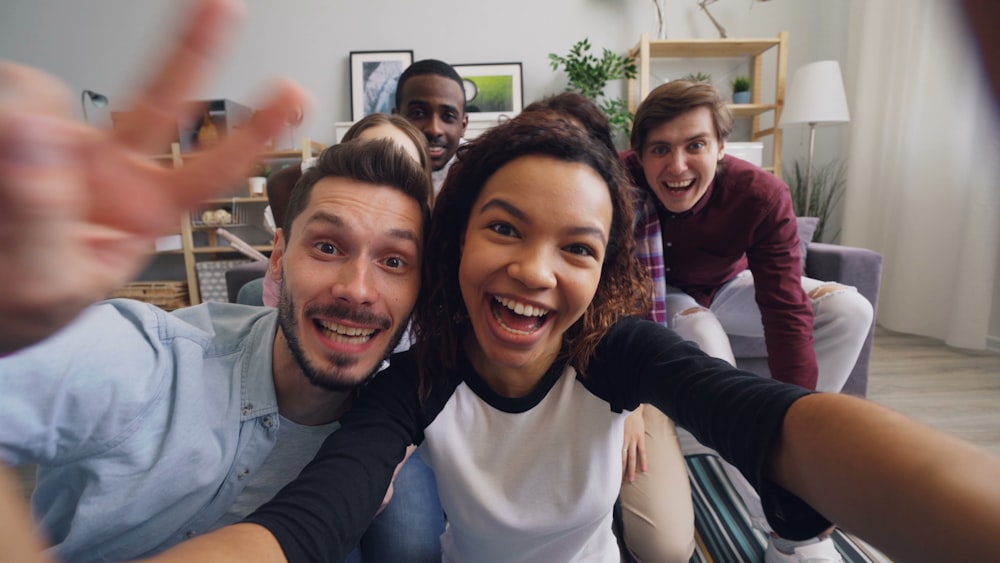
913	491
238	543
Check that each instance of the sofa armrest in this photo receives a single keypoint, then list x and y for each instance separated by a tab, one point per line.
238	276
861	268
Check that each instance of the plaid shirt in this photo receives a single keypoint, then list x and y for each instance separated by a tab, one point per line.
649	251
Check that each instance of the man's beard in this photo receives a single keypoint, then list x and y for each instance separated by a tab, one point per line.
335	378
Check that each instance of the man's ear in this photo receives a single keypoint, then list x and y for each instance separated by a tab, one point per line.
722	149
277	253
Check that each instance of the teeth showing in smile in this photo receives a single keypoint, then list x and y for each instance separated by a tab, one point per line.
517	318
346	334
679	185
521	308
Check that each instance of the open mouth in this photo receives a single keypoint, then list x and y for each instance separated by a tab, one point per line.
516	317
346	334
677	188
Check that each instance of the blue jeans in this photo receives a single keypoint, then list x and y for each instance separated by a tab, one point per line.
409	529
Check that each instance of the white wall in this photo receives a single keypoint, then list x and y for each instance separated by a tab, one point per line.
104	45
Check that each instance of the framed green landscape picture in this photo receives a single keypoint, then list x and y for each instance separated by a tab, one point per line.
492	90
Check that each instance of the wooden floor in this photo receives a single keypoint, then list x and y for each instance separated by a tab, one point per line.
951	389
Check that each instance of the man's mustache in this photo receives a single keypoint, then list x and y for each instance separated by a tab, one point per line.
354	315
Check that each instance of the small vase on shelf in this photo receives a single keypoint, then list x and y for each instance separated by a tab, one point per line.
258	186
208	133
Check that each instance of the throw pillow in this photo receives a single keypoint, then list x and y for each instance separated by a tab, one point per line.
807	227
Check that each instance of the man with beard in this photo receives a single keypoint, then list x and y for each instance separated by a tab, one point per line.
431	96
151	427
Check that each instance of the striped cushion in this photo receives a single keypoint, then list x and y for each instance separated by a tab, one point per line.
723	532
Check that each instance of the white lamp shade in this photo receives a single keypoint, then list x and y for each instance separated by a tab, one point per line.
816	95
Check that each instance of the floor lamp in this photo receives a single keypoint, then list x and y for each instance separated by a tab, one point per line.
99	101
816	97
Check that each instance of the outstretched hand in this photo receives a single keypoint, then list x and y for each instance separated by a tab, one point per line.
79	207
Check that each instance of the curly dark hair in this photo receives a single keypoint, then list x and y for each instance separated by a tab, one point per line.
579	107
441	320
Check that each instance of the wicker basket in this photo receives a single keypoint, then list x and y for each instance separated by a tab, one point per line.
168	295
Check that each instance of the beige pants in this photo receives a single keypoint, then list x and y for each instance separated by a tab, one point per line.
657	516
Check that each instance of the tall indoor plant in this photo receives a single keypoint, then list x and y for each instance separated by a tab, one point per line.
826	195
589	75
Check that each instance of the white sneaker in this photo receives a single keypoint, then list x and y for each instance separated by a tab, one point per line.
821	552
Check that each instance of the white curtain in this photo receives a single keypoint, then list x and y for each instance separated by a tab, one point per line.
924	168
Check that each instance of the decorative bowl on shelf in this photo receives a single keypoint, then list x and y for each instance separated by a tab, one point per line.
216	217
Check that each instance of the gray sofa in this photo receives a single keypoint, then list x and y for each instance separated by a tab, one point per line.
858	267
238	277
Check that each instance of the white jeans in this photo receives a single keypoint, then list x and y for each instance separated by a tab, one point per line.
841	322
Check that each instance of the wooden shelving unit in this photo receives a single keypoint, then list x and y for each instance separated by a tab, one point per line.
757	50
189	223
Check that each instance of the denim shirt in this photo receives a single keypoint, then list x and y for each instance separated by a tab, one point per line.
144	425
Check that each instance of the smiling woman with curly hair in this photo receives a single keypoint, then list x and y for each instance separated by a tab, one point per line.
528	357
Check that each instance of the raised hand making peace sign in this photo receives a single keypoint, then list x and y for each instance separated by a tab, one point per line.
79	207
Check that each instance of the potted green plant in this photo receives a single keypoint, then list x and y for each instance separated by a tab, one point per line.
697	77
589	75
741	90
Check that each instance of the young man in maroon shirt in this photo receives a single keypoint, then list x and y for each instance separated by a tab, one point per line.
720	239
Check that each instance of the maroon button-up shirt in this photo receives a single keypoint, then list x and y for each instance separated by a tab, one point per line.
744	220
